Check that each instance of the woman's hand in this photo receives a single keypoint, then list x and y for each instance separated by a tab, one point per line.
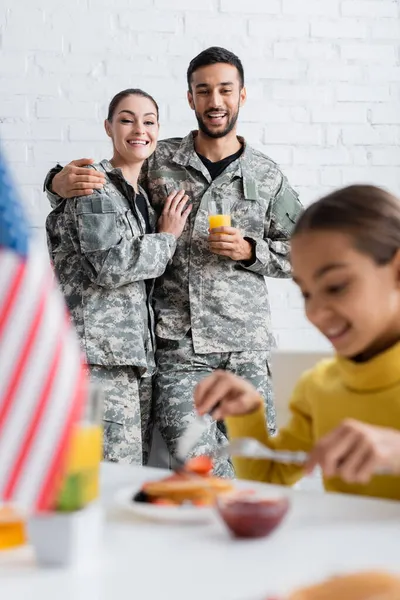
354	451
174	214
223	394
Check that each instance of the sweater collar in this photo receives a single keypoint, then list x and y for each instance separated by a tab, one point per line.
378	373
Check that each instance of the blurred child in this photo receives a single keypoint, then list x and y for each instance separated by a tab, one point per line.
345	254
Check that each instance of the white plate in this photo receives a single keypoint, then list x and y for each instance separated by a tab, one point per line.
180	514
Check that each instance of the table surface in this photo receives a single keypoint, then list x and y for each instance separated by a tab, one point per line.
324	534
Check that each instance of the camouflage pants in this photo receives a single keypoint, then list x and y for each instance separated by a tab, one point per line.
179	369
127	417
146	415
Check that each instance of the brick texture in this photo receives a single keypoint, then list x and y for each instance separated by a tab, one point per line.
323	81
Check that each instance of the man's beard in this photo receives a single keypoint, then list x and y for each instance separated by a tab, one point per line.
217	134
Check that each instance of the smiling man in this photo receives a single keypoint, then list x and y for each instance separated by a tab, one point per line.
211	304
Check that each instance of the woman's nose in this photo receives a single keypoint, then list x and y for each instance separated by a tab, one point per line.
138	128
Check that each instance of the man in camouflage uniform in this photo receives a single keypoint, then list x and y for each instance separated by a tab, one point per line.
211	304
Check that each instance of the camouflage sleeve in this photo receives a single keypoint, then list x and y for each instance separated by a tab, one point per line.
54	199
271	254
112	254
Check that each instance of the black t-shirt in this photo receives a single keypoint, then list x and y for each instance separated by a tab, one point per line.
142	207
216	168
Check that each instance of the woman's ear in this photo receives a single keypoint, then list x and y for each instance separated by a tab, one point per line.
107	127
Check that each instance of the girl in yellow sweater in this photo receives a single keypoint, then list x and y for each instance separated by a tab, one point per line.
345	254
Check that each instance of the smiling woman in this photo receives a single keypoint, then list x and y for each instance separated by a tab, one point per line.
132	124
106	248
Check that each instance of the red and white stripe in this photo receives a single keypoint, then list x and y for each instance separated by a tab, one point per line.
42	381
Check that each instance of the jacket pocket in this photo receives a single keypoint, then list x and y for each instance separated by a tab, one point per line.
98	232
97	224
164	181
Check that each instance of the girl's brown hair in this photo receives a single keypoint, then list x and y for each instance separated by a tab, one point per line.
367	213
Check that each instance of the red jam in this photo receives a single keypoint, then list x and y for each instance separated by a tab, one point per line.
252	517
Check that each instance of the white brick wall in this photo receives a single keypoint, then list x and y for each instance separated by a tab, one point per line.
323	78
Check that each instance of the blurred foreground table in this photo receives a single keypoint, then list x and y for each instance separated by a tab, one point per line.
324	534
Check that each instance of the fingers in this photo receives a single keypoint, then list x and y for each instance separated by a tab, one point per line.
334	453
225	245
367	468
217	237
347	452
358	465
75	180
223	394
88	175
78	192
173	194
229	250
321	452
172	200
205	397
85	185
187	211
226	230
228	253
181	204
82	162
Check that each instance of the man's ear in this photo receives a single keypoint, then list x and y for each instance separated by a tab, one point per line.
190	99
243	96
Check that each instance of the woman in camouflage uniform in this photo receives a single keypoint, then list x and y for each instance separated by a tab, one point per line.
106	249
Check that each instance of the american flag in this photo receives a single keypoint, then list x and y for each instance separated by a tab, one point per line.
42	376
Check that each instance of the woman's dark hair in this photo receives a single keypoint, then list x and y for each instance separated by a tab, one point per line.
367	213
124	94
212	56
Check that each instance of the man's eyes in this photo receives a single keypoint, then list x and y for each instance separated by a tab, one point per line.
223	91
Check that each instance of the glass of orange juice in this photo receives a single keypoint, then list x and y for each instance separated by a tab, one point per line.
219	213
81	481
12	527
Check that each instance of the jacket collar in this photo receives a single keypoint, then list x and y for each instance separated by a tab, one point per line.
186	155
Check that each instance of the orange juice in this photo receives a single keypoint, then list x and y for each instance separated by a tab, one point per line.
219	221
12	528
81	481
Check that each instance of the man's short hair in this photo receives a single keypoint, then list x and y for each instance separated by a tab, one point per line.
212	56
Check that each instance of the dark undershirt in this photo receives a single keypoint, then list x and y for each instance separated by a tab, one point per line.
216	168
136	198
142	207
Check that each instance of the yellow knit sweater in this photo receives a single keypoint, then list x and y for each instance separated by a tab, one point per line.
334	390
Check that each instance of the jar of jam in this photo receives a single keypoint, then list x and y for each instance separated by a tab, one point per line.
252	515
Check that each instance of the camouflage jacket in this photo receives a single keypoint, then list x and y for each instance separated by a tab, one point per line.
102	258
224	302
